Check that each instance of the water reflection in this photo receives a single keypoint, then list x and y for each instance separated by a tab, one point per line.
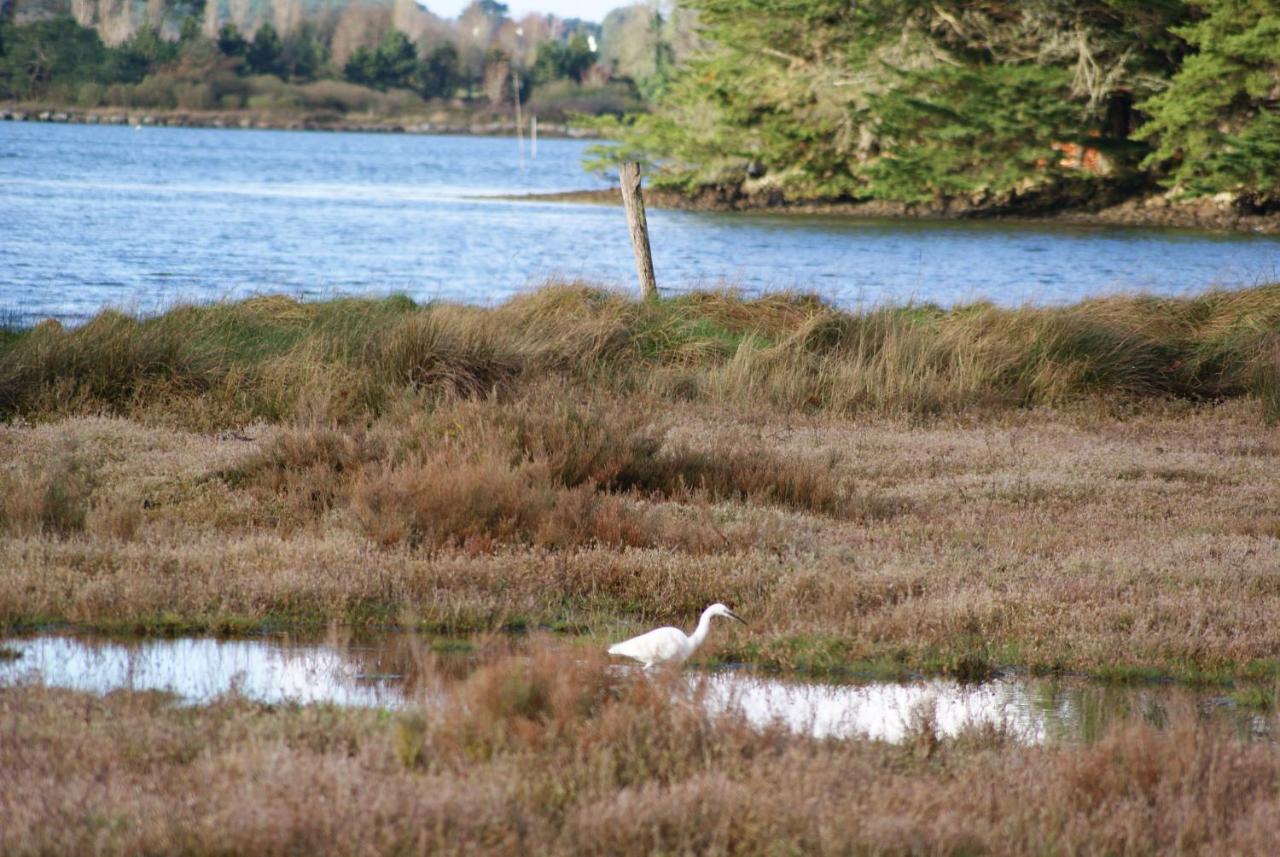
1032	710
390	670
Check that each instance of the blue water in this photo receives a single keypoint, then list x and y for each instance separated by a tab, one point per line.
97	216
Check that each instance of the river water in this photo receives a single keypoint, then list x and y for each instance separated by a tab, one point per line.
394	670
98	216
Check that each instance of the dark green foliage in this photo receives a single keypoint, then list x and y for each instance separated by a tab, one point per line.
59	53
1218	123
953	131
439	76
58	60
265	53
146	51
362	67
49	52
230	42
303	54
919	100
558	60
394	63
492	8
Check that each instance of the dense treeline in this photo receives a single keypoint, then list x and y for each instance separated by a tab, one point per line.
991	102
189	64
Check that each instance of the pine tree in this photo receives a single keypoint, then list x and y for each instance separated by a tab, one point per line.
1218	123
904	99
264	52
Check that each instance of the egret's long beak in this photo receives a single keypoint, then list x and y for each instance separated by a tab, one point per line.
733	615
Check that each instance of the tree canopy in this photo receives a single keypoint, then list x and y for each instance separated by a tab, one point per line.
926	99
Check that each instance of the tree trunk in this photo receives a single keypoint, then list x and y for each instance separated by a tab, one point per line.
629	174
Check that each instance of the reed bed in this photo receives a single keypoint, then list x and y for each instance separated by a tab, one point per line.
1087	488
1130	544
557	754
273	358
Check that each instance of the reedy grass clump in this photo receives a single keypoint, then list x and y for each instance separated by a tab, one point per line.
53	500
543	469
274	358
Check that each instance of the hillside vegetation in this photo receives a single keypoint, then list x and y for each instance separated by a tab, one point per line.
324	61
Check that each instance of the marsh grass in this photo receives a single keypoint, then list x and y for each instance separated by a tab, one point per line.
53	499
546	469
903	491
888	491
555	753
272	358
1135	547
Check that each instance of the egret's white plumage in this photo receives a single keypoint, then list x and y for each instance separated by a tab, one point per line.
670	645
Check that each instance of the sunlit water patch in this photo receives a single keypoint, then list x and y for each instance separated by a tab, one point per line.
386	672
98	216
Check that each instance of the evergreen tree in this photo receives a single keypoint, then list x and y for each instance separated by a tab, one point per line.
904	99
393	63
190	30
264	54
550	62
302	54
438	76
48	52
141	54
578	57
1218	124
230	42
397	61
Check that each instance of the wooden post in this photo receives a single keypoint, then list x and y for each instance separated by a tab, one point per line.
515	84
629	173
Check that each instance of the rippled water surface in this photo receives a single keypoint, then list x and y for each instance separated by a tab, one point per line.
98	216
388	672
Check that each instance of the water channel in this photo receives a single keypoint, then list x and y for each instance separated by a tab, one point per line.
106	216
387	672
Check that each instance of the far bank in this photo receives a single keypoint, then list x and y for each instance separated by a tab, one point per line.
1218	213
477	123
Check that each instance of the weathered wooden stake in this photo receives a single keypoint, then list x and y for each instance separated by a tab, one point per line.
515	86
634	202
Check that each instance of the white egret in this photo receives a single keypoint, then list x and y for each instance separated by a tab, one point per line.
670	645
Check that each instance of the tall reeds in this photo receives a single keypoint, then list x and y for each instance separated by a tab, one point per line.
274	358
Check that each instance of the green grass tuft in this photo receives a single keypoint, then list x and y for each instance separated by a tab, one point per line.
273	357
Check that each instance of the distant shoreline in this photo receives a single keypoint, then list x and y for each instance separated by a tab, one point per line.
1155	210
480	126
1150	211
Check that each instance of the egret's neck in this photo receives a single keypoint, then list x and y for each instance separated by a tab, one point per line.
700	633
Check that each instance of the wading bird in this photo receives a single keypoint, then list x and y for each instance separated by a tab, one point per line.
670	645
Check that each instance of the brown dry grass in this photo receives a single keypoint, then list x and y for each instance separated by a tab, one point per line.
346	360
555	754
1113	542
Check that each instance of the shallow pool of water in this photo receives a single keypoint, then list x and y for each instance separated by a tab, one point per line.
388	671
